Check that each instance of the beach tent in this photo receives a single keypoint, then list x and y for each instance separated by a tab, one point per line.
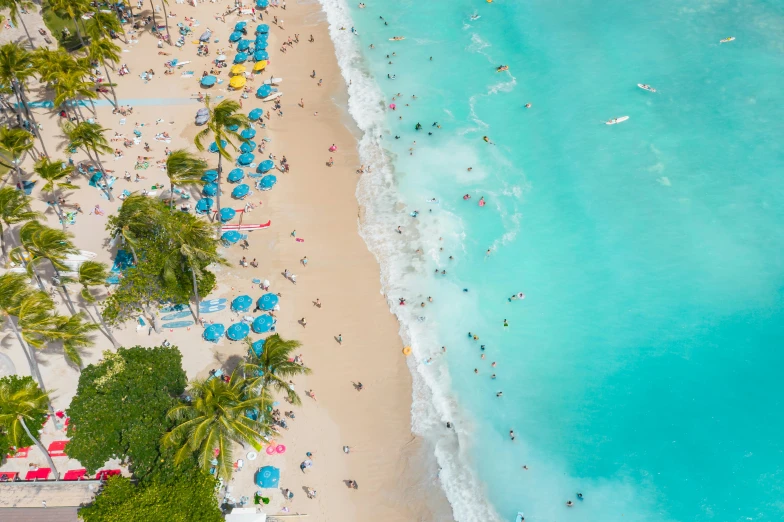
210	189
262	4
236	36
268	477
206	35
262	29
267	182
255	114
231	236
248	134
202	116
227	214
261	55
265	90
214	146
267	302
204	205
243	45
247	146
238	69
238	331
259	66
266	166
245	159
262	323
240	191
241	57
240	26
237	82
210	176
241	303
235	175
208	81
258	347
214	332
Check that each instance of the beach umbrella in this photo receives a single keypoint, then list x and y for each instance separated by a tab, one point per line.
220	58
245	159
205	36
267	302
235	175
266	166
210	176
237	82
238	69
239	26
233	128
262	4
267	182
236	36
260	65
262	323
258	347
238	331
210	189
255	114
244	45
227	214
240	191
264	91
261	46
261	38
231	236
247	146
240	58
248	134
204	205
262	29
208	81
214	146
241	303
268	477
214	332
260	55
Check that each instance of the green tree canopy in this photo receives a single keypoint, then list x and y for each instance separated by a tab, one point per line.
20	395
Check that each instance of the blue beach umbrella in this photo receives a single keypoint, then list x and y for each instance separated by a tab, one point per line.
214	146
260	55
233	128
267	182
258	347
210	176
239	26
210	189
235	175
267	302
236	36
208	81
264	91
248	134
261	46
262	29
245	159
244	45
261	38
262	4
231	236
268	477
227	214
214	332
240	191
241	58
204	205
255	114
241	303
238	331
247	146
266	166
262	323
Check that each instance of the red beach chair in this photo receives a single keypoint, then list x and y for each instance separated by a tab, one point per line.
75	474
21	453
8	476
106	473
39	474
57	448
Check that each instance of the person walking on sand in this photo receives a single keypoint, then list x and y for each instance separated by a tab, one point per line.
303	322
340	339
317	303
304	261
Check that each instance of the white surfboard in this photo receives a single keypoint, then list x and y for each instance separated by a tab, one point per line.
616	120
646	87
728	39
273	96
273	81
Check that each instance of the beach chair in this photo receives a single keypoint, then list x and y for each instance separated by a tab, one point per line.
106	473
75	474
38	474
21	453
57	448
8	476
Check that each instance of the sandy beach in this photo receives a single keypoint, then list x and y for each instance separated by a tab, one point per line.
315	200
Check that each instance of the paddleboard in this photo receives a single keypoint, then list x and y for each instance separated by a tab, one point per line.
272	96
616	120
397	38
728	39
178	324
273	81
172	308
646	87
176	315
212	305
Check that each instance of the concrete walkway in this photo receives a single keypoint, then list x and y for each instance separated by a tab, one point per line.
56	494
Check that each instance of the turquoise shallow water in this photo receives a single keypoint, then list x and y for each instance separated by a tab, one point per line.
642	367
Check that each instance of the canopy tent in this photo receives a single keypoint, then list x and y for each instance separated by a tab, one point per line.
262	29
261	54
258	347
210	189
208	81
237	69
226	214
210	176
267	302
231	236
238	331
255	114
214	332
259	66
267	182
241	57
237	82
247	146
241	303
236	36
265	90
214	146
245	159
248	134
268	477
205	36
266	166
240	191
235	176
262	324
204	205
243	45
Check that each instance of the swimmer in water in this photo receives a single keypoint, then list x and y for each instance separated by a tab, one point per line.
467	196
569	503
502	68
527	105
511	434
488	252
487	140
482	201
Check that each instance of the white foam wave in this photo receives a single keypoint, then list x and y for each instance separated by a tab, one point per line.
433	403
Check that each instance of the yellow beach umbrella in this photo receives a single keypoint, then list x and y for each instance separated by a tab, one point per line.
260	65
238	69
237	82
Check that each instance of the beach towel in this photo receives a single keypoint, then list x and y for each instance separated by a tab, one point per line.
70	218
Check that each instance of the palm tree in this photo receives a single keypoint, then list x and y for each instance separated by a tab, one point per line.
14	209
103	50
183	168
275	366
53	172
39	243
75	332
89	137
73	9
223	116
16	67
93	273
136	216
213	419
17	143
21	405
71	88
14	7
102	25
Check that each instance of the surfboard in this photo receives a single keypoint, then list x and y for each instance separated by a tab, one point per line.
249	226
728	39
273	96
178	324
273	81
397	38
212	305
616	120
646	87
172	308
176	315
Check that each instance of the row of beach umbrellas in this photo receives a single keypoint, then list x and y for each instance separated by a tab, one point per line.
239	331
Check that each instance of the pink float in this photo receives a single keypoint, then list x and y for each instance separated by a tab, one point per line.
270	450
280	448
392	106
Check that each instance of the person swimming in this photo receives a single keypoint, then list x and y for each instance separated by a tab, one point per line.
467	197
502	68
418	126
482	201
527	105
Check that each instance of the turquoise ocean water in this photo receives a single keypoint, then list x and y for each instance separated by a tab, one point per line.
642	369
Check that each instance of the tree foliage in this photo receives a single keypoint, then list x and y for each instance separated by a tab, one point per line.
120	407
20	396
